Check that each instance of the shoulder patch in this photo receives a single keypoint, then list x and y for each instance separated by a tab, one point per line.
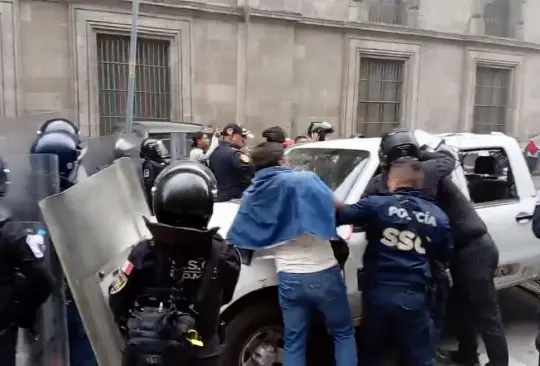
119	282
244	158
36	244
146	173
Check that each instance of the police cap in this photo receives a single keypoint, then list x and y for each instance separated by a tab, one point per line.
182	195
398	143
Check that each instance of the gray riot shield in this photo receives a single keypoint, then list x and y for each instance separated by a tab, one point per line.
93	225
32	178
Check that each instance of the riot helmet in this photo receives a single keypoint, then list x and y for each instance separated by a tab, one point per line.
66	146
274	134
396	144
182	195
59	124
322	129
155	150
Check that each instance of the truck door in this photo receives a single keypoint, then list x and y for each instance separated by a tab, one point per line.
503	194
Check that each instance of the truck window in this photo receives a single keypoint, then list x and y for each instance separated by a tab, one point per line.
338	168
489	175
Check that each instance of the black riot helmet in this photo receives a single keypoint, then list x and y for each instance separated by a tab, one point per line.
154	150
398	143
182	195
322	128
67	148
274	134
59	124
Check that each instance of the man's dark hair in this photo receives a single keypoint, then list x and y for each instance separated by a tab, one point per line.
298	138
408	172
274	134
196	137
266	155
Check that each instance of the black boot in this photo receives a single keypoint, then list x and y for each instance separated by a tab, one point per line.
456	358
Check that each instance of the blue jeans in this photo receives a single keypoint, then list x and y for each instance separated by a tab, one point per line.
300	294
398	316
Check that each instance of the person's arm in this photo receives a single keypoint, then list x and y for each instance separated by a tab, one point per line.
128	283
229	272
357	213
536	221
213	144
442	162
243	163
26	251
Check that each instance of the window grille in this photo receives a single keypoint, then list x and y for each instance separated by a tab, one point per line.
491	99
152	100
380	96
387	11
497	18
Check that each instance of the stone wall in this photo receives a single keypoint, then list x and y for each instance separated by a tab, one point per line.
270	62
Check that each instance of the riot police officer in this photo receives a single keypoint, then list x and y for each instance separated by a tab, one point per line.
318	131
476	257
25	283
67	147
155	157
231	166
404	232
185	266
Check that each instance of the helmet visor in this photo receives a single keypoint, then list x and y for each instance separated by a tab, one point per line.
162	149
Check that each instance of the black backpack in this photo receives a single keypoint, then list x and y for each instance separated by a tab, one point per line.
158	336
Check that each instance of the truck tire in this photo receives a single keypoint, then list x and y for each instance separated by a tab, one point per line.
243	331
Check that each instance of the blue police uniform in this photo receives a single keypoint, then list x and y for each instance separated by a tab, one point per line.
233	171
397	273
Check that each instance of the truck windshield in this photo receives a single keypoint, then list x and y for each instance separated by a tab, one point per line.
338	168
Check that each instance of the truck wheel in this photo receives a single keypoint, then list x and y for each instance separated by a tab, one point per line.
255	337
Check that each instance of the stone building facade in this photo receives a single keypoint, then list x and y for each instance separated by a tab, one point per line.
363	65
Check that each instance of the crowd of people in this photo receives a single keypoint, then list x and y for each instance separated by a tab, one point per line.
426	243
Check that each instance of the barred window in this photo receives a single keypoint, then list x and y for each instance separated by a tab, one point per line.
387	11
380	96
491	99
152	101
496	16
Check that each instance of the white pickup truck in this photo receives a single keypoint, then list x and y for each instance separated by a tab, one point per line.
492	172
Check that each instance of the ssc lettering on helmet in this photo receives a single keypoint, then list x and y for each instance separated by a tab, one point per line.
403	240
422	217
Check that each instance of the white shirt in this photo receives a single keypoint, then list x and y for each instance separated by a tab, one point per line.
307	254
200	155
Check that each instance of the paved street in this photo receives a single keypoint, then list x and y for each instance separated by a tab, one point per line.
519	314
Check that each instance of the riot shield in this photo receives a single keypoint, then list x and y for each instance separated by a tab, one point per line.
93	225
32	178
100	153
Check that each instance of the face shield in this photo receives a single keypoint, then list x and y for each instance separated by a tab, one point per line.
162	149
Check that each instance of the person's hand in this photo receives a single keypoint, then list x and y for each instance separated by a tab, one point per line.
338	203
217	132
315	136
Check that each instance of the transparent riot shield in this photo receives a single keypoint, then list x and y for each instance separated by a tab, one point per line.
100	153
32	178
93	225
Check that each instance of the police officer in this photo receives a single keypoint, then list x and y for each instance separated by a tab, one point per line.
67	147
317	131
231	166
185	266
25	283
155	157
476	257
404	232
